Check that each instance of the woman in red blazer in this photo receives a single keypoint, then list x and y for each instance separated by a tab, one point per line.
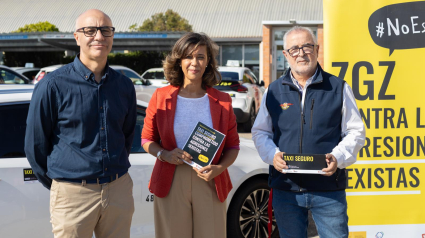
189	202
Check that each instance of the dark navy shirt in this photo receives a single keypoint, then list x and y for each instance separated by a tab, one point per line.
78	128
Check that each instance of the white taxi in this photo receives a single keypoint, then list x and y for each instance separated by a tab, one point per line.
156	77
24	202
246	92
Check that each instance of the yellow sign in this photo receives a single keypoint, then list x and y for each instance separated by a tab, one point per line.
225	83
357	234
28	171
378	48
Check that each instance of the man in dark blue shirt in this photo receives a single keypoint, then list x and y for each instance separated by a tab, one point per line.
80	129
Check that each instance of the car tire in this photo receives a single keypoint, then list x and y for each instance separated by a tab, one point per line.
247	215
247	126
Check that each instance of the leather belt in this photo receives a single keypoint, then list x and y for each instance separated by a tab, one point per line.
102	180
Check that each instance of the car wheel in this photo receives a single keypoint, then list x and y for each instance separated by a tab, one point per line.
247	126
247	215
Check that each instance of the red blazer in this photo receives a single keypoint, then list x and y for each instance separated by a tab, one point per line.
159	127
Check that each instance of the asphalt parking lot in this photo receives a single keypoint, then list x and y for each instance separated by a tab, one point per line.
245	135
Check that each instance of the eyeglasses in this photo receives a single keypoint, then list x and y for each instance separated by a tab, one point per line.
295	51
91	31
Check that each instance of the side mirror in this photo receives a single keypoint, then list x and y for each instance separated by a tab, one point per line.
261	83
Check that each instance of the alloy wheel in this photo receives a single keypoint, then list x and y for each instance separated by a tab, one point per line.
253	217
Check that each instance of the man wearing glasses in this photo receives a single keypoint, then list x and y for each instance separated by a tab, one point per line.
308	111
80	129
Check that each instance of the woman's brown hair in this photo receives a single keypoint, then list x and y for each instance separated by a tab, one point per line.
172	70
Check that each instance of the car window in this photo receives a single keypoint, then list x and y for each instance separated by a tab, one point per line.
130	74
154	75
137	141
30	74
253	76
136	79
229	76
12	127
247	77
13	124
8	77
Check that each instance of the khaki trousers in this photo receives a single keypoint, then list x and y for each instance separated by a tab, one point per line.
106	209
191	209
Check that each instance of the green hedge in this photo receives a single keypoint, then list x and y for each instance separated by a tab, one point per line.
139	61
40	59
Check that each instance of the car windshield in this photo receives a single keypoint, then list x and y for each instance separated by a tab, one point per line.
229	76
152	75
8	77
130	74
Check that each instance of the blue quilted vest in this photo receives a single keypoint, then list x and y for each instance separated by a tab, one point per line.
314	130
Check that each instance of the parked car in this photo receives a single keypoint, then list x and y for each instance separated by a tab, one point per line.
28	72
143	87
24	202
44	71
137	80
246	92
240	82
156	76
9	76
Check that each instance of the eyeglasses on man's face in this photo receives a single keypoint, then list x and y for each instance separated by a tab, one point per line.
91	31
295	51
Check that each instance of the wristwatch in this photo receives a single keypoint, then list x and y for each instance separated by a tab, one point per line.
158	155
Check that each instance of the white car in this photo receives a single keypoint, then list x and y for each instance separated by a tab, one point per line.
24	202
246	92
44	71
10	76
29	72
135	77
242	85
156	77
144	88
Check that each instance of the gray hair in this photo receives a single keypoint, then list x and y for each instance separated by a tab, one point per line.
299	28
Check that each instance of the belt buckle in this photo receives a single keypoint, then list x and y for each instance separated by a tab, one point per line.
111	179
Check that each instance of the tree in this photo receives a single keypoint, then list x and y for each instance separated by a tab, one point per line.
133	27
170	21
38	27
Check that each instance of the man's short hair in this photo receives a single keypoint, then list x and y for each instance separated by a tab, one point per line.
299	28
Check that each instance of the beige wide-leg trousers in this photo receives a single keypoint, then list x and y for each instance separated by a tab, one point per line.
191	209
76	210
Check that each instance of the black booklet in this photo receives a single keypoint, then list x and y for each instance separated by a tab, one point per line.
305	163
203	144
29	176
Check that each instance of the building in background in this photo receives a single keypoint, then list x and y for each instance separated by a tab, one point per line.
247	31
274	62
